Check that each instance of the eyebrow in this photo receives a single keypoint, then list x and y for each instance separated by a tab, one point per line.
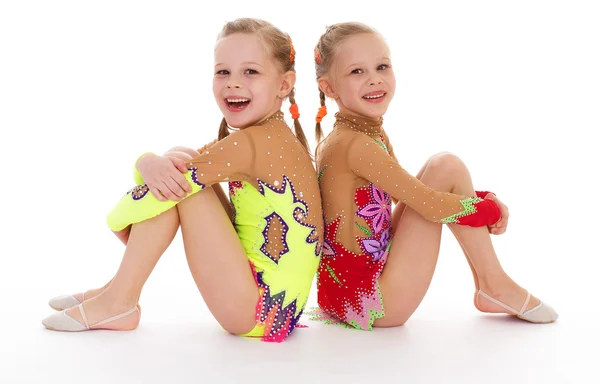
244	63
359	63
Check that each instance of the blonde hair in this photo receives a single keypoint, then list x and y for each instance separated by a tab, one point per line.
326	50
279	45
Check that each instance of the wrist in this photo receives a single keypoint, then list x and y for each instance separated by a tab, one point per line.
143	158
137	176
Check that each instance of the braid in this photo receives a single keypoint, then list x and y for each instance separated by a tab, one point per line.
223	130
297	127
324	56
318	129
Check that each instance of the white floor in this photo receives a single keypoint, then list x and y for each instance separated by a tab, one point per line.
446	341
452	348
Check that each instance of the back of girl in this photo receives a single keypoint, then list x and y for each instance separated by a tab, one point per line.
255	275
377	264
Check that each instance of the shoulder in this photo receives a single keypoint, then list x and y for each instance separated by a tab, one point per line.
357	140
237	135
238	140
265	129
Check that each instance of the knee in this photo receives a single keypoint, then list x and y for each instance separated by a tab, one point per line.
179	151
446	163
175	149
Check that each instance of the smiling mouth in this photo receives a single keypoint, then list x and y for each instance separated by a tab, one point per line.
236	104
374	96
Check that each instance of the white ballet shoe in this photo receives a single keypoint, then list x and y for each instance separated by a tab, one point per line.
60	303
541	313
63	322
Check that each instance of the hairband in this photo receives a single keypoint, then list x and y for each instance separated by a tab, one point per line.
292	50
318	57
294	111
322	112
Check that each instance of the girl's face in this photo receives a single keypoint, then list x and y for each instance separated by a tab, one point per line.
361	79
248	86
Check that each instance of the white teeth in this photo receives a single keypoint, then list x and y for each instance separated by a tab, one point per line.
374	97
237	100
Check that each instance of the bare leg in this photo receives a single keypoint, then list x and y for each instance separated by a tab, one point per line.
147	242
224	199
489	275
413	255
181	153
216	257
218	262
399	210
415	248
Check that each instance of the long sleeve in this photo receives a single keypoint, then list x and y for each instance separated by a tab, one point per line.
388	145
369	160
226	160
229	159
390	151
207	146
137	176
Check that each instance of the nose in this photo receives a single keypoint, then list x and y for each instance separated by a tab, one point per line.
376	81
234	82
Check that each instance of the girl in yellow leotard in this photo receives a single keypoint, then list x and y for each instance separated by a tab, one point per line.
255	274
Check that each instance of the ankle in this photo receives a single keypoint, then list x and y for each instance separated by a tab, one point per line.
496	284
116	301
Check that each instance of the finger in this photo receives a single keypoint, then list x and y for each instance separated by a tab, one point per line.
172	190
180	164
179	185
502	221
183	183
157	194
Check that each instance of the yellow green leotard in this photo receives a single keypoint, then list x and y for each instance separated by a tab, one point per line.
274	193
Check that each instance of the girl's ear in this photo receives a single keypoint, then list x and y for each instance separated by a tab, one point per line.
327	88
287	84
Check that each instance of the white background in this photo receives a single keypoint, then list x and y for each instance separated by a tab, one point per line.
511	87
